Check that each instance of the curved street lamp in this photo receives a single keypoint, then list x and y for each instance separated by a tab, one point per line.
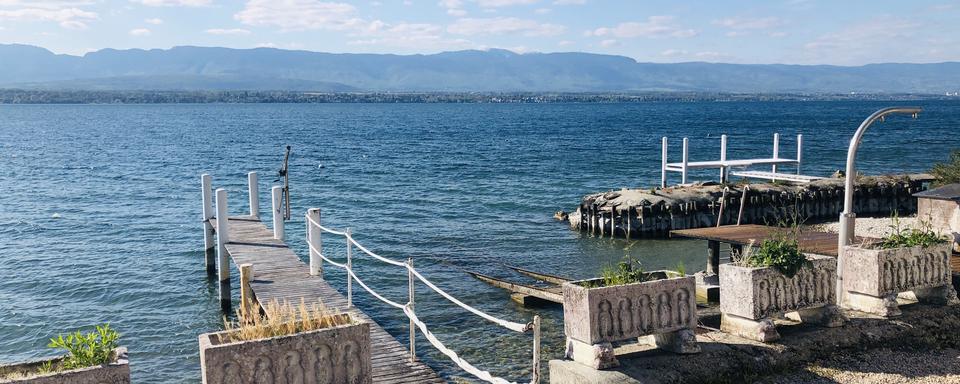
848	217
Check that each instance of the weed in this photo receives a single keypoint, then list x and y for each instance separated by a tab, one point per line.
627	271
948	172
923	236
85	350
282	319
681	269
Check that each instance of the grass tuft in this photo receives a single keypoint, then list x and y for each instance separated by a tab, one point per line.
281	320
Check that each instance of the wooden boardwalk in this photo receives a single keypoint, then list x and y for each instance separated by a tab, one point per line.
821	243
280	275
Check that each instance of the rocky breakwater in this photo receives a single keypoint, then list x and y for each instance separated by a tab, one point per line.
655	212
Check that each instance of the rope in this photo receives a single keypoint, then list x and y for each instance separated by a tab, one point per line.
325	229
374	255
383	299
463	364
516	327
344	266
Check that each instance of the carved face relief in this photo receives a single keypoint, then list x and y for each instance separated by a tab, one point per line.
664	310
350	356
263	371
604	319
644	313
683	306
292	369
624	316
323	369
231	373
763	296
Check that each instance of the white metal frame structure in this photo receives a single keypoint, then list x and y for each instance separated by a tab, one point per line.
724	165
314	230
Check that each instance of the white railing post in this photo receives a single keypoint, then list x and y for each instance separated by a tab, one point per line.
776	152
313	237
209	242
723	158
254	191
410	302
663	162
223	237
349	268
686	152
277	194
536	349
799	152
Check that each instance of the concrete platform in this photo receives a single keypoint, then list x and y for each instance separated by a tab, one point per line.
728	358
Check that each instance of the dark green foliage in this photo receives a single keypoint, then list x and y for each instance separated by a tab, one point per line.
949	172
86	350
627	271
923	236
780	252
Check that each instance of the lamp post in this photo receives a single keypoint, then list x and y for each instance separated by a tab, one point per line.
848	217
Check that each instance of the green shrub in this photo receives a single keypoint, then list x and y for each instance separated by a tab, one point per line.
627	271
923	236
780	252
86	350
949	172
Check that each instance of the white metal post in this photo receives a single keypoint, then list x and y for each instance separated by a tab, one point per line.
349	268
277	194
313	237
663	162
776	151
799	152
223	237
410	302
254	191
685	161
536	349
205	193
723	158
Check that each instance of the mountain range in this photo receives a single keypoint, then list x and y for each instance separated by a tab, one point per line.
494	70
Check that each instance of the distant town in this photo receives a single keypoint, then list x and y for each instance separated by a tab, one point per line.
20	96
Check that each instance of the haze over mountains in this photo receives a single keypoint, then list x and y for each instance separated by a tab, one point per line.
207	68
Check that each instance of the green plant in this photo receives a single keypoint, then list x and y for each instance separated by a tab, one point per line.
780	252
627	271
923	236
86	350
681	269
948	172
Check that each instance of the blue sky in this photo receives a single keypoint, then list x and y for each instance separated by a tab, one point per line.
775	31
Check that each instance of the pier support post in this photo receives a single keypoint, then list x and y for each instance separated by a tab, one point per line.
776	152
713	257
723	158
799	152
254	191
246	293
663	162
410	302
223	237
686	161
277	194
313	237
536	349
209	243
349	268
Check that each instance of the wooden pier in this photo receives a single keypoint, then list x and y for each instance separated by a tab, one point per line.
280	275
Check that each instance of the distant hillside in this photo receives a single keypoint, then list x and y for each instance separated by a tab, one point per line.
201	68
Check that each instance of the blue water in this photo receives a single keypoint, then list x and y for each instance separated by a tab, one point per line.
100	205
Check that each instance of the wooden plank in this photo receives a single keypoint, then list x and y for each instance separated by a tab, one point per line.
280	275
821	243
519	288
552	279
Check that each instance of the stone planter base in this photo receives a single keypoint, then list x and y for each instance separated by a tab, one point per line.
601	355
764	330
887	306
116	372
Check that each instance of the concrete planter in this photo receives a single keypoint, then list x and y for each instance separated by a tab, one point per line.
594	318
330	355
116	372
751	296
874	277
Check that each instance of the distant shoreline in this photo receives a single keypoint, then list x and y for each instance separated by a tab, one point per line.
22	96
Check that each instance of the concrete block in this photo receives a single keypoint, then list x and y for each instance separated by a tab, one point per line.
116	372
756	293
330	355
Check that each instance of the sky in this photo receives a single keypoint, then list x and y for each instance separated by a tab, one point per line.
837	32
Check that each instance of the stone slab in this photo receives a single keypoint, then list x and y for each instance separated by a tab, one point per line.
117	372
757	292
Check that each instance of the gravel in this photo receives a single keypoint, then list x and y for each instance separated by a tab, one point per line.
876	227
879	366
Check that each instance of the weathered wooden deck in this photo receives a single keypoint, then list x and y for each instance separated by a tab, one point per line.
280	275
821	243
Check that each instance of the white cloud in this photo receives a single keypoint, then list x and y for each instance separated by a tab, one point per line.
233	32
673	52
503	3
542	11
569	2
154	21
741	23
298	15
735	33
565	43
174	3
140	32
69	18
608	43
456	12
653	27
777	34
501	25
883	39
416	36
450	3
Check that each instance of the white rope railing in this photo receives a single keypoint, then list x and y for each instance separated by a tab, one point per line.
314	245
